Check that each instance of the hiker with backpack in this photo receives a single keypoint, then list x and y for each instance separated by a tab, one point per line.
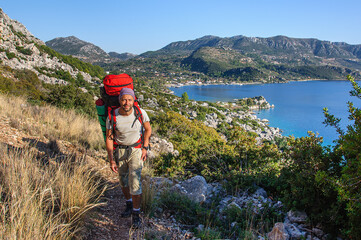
127	141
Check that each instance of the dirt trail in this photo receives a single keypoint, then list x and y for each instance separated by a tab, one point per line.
107	223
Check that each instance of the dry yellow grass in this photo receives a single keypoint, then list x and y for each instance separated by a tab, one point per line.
51	122
44	201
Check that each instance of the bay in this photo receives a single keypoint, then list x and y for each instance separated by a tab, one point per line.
298	105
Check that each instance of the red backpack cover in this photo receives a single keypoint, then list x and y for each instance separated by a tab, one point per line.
114	83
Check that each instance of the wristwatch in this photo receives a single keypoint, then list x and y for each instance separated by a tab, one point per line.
146	148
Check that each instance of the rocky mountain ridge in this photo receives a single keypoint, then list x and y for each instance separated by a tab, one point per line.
232	64
272	52
78	48
85	51
272	45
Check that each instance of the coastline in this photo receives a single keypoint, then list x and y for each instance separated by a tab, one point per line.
192	83
302	116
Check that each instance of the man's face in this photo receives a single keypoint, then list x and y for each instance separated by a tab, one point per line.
126	102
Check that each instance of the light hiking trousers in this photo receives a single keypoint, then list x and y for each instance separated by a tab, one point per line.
130	167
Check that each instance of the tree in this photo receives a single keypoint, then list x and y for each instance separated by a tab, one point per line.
349	143
185	97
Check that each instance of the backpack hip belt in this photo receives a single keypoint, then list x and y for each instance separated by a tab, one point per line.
138	144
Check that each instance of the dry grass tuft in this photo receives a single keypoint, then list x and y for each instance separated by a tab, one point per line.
44	201
51	122
148	196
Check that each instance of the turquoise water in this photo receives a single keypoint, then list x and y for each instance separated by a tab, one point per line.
298	105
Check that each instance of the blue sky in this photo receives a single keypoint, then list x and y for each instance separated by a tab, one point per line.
147	25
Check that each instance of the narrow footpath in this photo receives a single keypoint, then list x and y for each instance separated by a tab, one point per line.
106	224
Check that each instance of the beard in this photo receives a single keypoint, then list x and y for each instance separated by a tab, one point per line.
127	108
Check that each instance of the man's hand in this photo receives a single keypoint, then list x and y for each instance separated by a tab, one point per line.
144	154
113	166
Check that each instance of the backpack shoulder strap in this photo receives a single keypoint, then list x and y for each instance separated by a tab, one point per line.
112	119
138	115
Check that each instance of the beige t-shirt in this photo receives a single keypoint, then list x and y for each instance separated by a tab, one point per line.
125	134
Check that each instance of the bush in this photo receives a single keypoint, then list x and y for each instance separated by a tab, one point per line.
71	97
24	51
348	184
185	210
201	150
10	55
307	182
27	84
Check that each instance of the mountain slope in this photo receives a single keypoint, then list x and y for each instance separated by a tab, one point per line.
19	49
78	48
231	64
276	50
274	45
85	51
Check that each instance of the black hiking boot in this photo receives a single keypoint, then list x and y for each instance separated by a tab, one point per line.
136	220
128	209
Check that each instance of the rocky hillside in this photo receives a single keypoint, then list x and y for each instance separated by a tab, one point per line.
19	49
85	51
230	63
80	49
275	51
278	45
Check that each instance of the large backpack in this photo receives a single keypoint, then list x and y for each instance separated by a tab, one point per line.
109	101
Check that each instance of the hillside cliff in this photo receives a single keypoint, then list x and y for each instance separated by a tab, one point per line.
19	49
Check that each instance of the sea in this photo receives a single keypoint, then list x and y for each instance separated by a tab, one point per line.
298	104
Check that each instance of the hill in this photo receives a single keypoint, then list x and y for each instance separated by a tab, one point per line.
273	46
83	50
29	68
19	49
230	63
271	59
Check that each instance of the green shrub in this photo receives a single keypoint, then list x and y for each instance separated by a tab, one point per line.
71	97
348	183
185	210
10	55
307	182
201	149
24	51
246	221
27	84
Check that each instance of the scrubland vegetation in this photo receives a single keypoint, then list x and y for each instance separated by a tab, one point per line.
304	175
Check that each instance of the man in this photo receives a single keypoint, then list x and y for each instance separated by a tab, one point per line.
130	155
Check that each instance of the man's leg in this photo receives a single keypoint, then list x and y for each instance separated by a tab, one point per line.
135	169
136	201
123	171
128	203
126	193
